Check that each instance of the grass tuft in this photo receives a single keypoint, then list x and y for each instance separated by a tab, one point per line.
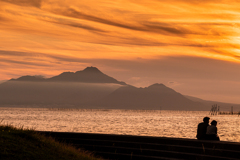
19	143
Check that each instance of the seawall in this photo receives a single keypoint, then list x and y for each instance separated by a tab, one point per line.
124	147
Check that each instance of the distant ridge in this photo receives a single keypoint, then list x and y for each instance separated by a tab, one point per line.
156	96
88	75
223	105
30	78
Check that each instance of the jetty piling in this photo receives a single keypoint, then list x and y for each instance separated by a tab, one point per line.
231	112
214	110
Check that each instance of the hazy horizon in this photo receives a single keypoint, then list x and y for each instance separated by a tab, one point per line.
77	86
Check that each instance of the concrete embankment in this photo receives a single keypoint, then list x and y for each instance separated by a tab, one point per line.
126	147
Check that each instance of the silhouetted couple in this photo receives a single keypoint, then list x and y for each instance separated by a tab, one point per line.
206	131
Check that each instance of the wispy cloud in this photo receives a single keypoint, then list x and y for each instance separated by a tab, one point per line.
34	3
53	32
79	15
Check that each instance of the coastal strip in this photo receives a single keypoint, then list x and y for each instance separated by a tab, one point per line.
123	147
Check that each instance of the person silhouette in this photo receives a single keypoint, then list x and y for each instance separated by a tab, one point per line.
202	129
212	132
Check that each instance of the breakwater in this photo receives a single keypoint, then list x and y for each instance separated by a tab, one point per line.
127	147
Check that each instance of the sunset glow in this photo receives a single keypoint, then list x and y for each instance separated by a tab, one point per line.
47	37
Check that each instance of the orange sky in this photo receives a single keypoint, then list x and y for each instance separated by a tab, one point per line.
181	43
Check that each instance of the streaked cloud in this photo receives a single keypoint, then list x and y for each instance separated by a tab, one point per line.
34	3
52	36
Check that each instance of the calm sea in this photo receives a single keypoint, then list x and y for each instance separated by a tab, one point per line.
180	124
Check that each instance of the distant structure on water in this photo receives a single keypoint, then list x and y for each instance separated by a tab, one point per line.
215	110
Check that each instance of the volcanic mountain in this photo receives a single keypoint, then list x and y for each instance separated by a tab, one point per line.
88	75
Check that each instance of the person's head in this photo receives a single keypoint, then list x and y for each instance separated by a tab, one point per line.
206	119
214	123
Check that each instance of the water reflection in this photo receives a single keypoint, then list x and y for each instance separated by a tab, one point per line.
181	124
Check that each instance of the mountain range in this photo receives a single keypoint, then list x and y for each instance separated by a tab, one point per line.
88	75
90	88
156	96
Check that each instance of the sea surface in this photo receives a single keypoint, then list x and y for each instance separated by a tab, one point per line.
180	124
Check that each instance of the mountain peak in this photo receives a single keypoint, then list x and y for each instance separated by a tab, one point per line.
91	69
88	75
160	87
157	85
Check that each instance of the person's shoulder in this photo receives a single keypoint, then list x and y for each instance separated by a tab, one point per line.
200	124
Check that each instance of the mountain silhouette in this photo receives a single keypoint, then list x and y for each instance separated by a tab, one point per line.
88	75
30	78
90	88
156	96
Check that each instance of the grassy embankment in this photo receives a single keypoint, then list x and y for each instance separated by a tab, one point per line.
18	143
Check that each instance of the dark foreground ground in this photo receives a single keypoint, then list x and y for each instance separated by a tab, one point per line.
38	145
20	144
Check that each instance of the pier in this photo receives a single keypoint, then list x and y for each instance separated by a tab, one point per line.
127	147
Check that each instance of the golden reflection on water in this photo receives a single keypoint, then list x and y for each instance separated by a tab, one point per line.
181	124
